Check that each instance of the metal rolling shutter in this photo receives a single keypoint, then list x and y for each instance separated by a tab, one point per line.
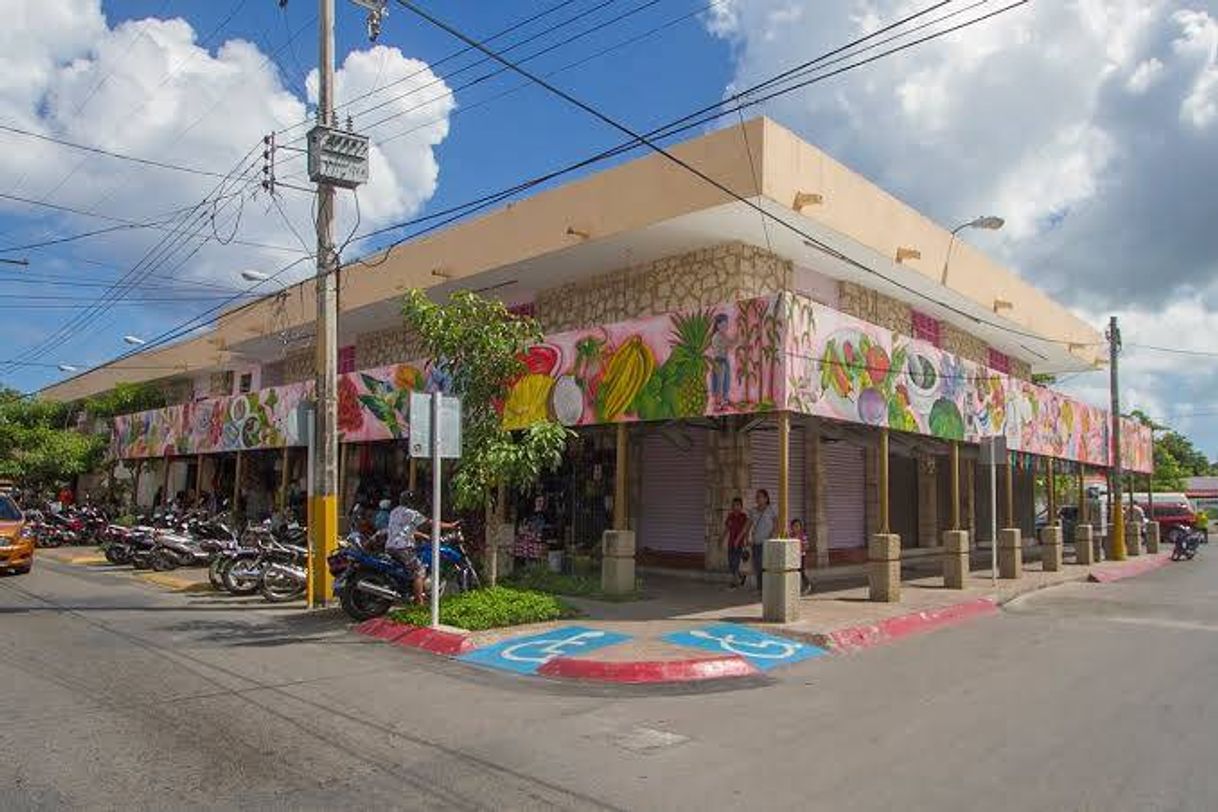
763	469
672	507
844	495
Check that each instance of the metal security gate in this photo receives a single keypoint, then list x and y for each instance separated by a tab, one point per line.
763	470
672	505
844	490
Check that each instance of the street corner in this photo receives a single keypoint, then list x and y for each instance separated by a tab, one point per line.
1119	571
760	650
529	653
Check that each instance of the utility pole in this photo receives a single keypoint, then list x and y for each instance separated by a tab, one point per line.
1118	514
337	158
323	529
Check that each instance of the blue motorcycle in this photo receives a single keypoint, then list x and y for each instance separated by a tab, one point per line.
367	582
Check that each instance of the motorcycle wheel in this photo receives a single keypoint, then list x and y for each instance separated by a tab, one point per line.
278	587
161	561
215	573
239	584
114	555
360	605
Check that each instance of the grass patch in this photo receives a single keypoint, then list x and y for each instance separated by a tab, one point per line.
542	579
490	608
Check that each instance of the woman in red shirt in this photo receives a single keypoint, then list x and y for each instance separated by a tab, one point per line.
735	535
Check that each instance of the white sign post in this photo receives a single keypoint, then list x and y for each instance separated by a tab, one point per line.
435	431
993	451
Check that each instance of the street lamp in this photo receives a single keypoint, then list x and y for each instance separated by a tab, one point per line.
254	276
67	368
986	222
134	341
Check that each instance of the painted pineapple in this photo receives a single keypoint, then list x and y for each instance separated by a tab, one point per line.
678	389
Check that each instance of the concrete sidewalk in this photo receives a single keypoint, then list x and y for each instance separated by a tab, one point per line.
673	632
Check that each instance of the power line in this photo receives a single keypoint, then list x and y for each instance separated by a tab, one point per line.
1175	350
110	153
809	239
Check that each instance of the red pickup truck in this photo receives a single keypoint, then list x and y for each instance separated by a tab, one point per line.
1173	518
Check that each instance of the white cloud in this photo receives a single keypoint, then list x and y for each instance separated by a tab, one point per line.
1090	125
148	88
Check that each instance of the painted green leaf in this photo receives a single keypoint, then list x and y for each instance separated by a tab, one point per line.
379	408
375	385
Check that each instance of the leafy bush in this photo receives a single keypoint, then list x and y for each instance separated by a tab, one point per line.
489	608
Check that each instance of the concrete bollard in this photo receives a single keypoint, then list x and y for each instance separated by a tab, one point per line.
1051	548
780	580
1010	553
617	566
1133	539
955	559
1152	537
1084	545
884	568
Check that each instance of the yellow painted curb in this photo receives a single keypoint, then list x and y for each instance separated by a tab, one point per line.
174	583
86	560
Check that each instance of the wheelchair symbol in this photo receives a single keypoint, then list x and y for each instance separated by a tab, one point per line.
546	649
759	648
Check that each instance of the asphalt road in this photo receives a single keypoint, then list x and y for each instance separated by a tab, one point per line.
1086	697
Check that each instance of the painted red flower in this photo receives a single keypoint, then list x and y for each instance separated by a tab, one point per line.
350	414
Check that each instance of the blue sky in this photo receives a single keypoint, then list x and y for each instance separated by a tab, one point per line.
1072	120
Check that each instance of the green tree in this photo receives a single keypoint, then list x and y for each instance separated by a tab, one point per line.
1175	456
38	449
480	345
124	398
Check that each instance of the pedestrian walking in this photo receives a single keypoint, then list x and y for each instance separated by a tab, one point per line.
762	521
798	532
735	536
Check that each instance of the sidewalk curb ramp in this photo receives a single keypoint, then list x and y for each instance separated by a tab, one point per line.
1131	569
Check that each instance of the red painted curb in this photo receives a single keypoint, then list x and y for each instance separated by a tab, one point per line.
894	628
382	628
1130	569
652	671
437	641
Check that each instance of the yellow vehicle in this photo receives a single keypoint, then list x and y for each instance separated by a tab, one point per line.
16	546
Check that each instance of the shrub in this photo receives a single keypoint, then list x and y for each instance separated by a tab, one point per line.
541	578
489	608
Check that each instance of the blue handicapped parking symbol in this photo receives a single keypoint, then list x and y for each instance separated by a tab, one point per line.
525	655
765	651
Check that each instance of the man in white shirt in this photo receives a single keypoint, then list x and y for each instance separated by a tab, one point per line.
762	520
404	528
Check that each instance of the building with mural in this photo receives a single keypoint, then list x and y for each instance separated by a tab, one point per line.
706	330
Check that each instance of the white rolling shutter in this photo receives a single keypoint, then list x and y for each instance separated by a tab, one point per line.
763	469
672	506
844	495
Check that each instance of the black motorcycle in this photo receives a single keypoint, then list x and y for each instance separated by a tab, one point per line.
1186	544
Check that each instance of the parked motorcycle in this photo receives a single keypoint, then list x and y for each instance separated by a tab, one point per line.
1186	544
367	582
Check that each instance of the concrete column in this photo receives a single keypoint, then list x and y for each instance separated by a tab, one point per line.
928	502
1084	545
1010	553
784	471
818	521
620	469
1133	539
617	565
955	558
968	500
1152	537
780	581
884	567
1051	548
871	493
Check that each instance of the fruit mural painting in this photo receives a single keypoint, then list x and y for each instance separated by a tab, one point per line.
736	358
847	369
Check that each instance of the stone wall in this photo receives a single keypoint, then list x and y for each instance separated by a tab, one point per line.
393	346
724	273
868	305
955	340
299	366
220	384
178	390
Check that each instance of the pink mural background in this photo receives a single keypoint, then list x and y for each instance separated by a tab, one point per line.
749	356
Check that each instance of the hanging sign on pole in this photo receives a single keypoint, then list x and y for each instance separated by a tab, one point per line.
435	431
